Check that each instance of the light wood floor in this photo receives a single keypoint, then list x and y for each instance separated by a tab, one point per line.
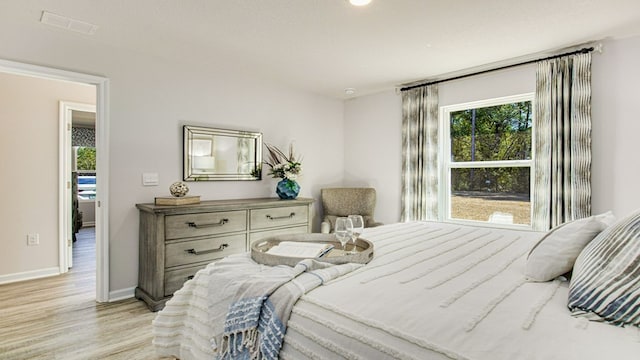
58	317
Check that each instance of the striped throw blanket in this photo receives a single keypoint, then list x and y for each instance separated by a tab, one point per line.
256	320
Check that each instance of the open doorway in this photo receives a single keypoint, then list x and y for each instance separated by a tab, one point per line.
78	137
101	221
78	165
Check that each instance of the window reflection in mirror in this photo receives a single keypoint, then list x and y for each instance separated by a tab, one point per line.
218	154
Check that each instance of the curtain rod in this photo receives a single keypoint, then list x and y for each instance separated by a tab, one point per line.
581	51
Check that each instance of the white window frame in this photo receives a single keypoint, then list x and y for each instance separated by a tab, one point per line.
444	188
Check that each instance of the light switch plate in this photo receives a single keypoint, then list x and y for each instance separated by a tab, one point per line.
33	239
150	179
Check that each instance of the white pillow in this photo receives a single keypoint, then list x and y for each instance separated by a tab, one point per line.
556	252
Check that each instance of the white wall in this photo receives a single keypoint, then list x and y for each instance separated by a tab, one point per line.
147	115
373	144
150	100
29	157
616	127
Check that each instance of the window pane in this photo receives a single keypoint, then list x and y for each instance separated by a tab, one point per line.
501	132
500	195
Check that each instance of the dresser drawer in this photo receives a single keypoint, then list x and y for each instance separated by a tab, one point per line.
189	225
259	235
174	279
193	251
278	217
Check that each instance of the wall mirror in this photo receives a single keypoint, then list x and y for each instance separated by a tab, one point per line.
217	154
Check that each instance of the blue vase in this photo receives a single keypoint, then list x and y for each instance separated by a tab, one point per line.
287	189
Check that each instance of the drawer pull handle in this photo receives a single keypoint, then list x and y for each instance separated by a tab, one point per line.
281	217
202	252
201	226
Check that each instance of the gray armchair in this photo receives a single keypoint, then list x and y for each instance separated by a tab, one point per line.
337	202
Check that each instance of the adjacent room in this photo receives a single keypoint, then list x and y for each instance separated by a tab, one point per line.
157	151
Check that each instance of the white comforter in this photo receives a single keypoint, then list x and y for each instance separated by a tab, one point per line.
432	291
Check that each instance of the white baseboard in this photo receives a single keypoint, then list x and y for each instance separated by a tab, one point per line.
121	294
29	275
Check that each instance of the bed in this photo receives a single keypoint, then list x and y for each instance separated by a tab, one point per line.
432	291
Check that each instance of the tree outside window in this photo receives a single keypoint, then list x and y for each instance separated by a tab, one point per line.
86	158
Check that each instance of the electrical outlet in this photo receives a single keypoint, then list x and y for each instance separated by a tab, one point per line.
33	239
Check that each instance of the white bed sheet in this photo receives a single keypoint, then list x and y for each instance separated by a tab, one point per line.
432	291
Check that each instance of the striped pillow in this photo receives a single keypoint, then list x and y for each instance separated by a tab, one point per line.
606	276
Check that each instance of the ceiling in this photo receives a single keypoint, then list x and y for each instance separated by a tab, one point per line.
325	46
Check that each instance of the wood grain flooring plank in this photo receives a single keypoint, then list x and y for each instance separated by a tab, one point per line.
58	318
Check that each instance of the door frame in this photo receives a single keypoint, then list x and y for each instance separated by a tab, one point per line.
102	167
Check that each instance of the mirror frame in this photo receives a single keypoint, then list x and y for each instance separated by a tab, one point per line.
191	133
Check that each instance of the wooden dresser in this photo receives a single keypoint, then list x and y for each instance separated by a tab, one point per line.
177	241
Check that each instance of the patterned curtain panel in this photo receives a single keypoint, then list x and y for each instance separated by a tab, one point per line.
83	137
420	153
562	181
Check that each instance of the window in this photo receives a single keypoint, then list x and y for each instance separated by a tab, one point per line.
487	167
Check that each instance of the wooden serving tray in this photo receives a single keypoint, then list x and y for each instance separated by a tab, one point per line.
364	250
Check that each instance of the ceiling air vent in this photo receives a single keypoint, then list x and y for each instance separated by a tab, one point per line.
68	23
